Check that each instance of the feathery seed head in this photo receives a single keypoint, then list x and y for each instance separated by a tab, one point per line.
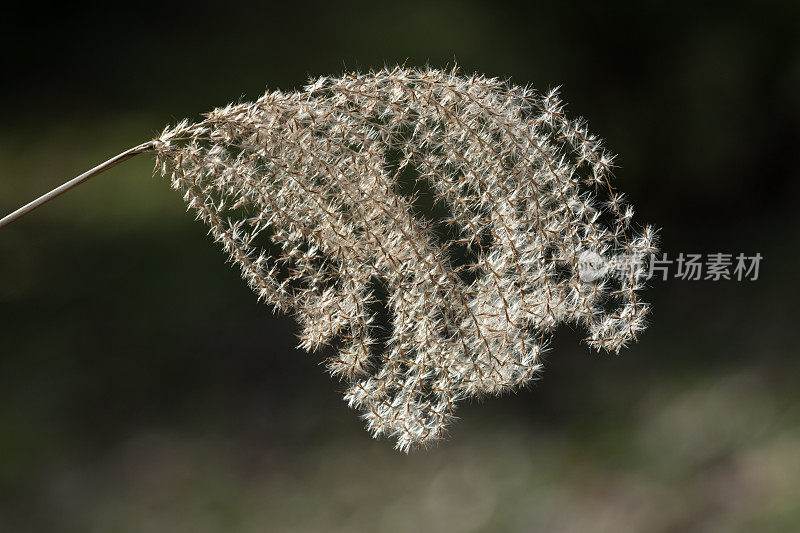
308	192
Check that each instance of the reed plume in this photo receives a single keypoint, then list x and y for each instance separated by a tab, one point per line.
321	198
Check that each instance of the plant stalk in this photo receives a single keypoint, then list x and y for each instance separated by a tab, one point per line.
102	167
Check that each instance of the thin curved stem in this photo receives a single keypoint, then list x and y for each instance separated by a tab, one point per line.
102	167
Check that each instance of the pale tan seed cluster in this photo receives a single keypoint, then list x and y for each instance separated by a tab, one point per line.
321	197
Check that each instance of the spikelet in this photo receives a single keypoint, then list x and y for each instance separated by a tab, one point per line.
307	193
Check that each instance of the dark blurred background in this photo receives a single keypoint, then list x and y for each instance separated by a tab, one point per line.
142	388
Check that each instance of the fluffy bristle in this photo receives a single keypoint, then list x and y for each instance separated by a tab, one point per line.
319	197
